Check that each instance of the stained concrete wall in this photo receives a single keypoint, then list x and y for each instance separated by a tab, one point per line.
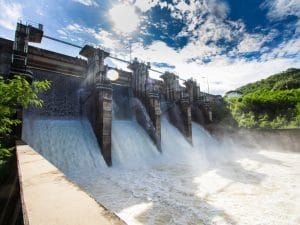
49	198
96	98
42	59
51	61
178	100
65	73
63	97
5	55
144	90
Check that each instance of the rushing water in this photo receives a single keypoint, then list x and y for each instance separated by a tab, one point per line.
211	182
69	144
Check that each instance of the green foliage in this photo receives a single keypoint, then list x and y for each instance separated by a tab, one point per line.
222	115
289	79
270	103
15	94
267	109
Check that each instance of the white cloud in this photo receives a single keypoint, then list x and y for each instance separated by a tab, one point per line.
10	14
206	23
143	5
279	9
74	27
107	40
62	32
218	8
87	2
232	75
250	43
285	49
254	42
124	18
223	74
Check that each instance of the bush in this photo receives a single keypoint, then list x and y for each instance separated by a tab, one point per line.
16	93
267	109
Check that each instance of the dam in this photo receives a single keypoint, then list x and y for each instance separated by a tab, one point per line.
141	146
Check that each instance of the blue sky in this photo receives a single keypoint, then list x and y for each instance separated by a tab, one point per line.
230	42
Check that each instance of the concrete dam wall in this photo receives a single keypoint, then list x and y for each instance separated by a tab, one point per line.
165	168
80	87
62	100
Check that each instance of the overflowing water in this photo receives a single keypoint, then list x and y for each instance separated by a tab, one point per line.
211	182
131	145
69	144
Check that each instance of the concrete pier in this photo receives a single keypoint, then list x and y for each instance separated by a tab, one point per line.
96	99
49	198
153	104
144	89
179	105
187	119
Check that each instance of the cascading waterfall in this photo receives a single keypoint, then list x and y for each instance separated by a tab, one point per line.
207	183
131	145
69	144
211	182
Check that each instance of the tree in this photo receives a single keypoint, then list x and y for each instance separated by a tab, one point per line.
16	93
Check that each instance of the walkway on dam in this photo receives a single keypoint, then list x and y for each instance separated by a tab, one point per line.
49	198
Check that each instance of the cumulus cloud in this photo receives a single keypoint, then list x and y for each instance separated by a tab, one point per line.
107	40
104	38
206	23
87	2
254	42
143	5
10	14
223	73
124	18
279	9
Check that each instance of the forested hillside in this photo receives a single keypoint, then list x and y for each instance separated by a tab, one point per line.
289	79
270	103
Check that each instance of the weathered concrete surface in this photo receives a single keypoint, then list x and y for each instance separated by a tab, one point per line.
49	198
96	98
146	90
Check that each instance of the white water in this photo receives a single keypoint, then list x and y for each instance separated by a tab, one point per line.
131	145
69	144
209	183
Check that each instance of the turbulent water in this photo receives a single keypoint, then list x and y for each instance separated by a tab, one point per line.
69	144
211	182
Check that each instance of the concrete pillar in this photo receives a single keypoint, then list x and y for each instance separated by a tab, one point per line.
103	119
154	113
179	99
144	90
139	78
185	108
171	86
23	35
96	99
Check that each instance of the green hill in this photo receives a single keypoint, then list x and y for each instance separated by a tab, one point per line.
273	102
289	79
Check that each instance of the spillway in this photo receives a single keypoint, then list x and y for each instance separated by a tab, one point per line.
131	145
69	144
211	182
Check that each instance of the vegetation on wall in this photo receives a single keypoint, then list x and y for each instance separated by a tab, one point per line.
270	103
15	93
